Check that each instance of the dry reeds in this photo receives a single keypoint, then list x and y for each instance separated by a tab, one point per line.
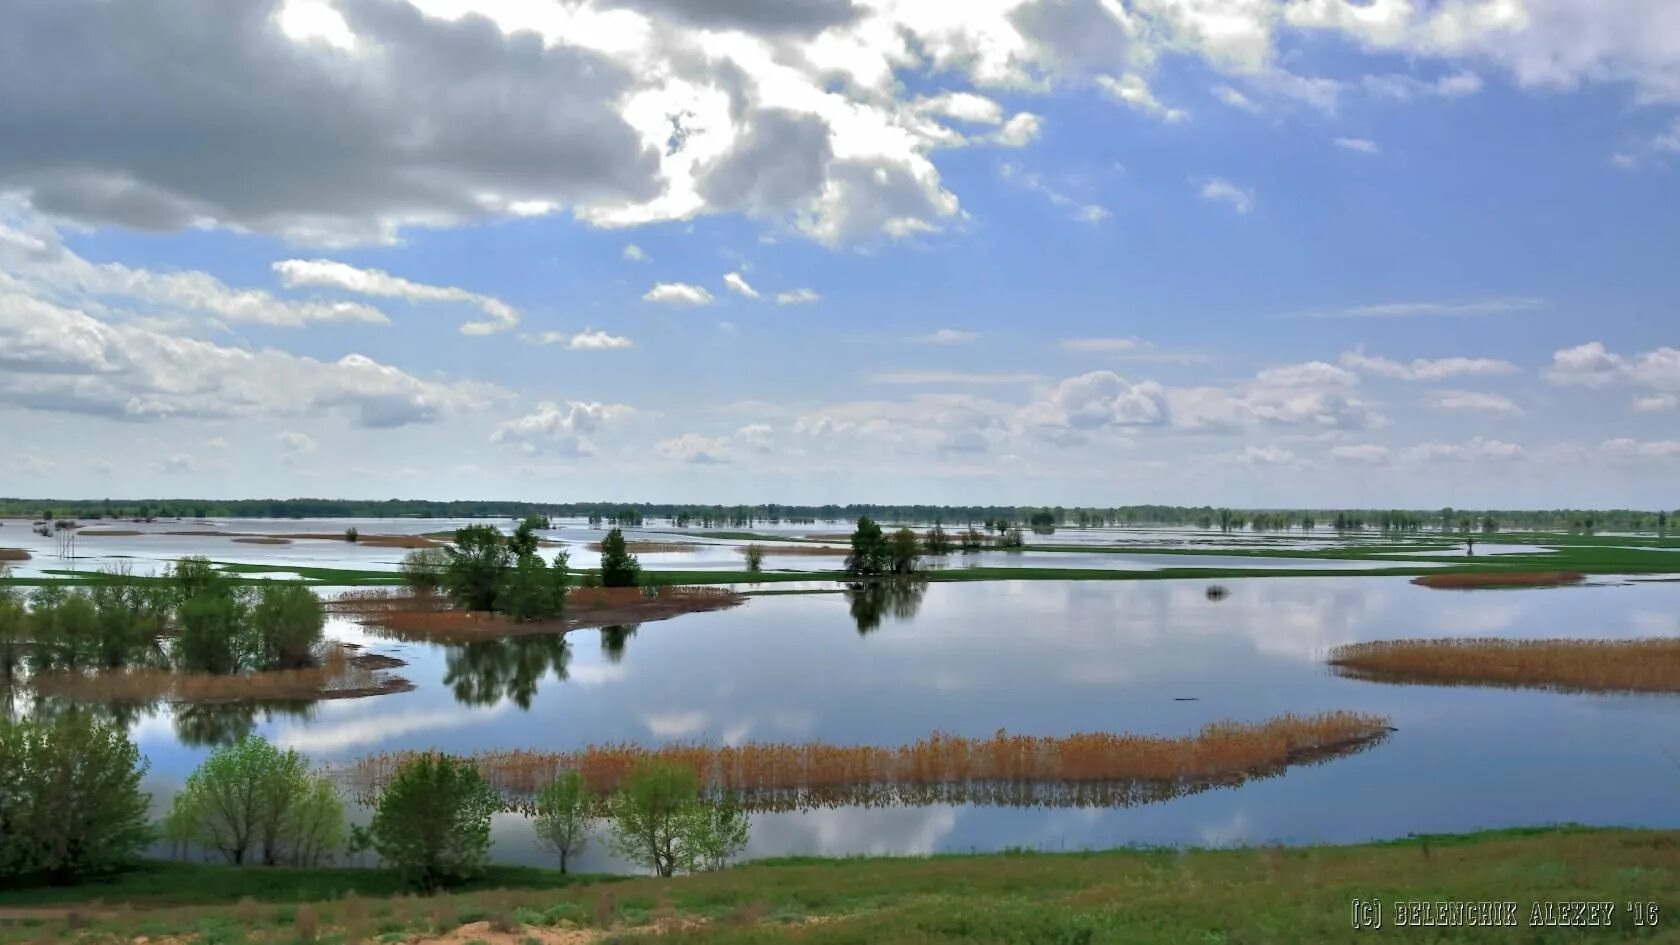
108	533
647	546
405	616
1647	665
342	674
376	541
264	541
14	554
1499	579
800	550
1088	769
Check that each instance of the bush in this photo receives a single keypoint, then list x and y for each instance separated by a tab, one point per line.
938	541
70	800
904	551
619	568
531	590
477	561
433	821
211	634
249	797
287	622
565	811
755	558
423	569
350	534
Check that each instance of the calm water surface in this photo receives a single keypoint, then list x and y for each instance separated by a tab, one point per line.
1051	658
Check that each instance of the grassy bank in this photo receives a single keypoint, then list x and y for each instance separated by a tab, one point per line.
1265	895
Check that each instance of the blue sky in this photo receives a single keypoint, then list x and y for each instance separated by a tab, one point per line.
1246	252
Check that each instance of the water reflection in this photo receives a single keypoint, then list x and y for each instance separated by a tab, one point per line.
489	671
195	725
872	600
614	638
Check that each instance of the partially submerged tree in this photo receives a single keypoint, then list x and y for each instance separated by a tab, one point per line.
565	812
870	555
755	558
433	821
477	560
904	551
288	621
423	569
619	568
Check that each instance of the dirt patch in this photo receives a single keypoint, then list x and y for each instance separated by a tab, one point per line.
429	618
109	533
264	541
804	550
14	554
1499	579
482	932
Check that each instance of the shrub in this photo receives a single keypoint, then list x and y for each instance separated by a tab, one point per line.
70	799
904	551
433	821
249	797
423	569
938	541
565	811
350	534
619	568
755	558
287	622
477	561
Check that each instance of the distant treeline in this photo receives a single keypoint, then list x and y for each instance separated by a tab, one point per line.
682	515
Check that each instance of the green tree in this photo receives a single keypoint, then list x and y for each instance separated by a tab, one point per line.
14	631
870	554
433	821
565	812
619	568
250	797
70	799
211	634
713	834
287	621
531	590
63	629
131	616
477	562
938	541
651	814
755	558
351	535
423	569
194	576
904	551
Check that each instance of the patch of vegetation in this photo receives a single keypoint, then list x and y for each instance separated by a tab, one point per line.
1649	665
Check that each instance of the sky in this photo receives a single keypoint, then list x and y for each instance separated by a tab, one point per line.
1386	253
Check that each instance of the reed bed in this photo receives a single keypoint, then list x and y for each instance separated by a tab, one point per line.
810	550
650	547
344	673
1087	769
1499	579
376	541
108	533
14	554
264	541
406	616
1644	665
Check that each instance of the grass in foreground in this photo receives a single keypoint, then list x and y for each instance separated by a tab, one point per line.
1267	895
1648	665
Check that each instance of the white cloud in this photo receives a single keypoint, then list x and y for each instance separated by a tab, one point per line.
634	253
564	431
545	338
1405	88
1478	448
56	358
1656	403
1592	365
1466	401
1310	374
1267	456
1368	453
178	464
678	293
330	274
1235	98
1031	180
944	336
1425	369
1220	190
1359	145
594	339
1494	306
737	284
1132	90
694	448
797	297
1102	344
1098	399
950	377
1625	448
296	443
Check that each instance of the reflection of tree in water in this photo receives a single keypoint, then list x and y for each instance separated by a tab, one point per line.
870	601
613	639
208	724
488	671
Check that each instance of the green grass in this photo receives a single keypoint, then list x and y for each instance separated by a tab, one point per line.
1261	895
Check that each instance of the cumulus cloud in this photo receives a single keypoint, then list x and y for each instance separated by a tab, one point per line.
1593	365
336	275
737	284
1220	190
1310	374
1656	403
1099	399
1626	448
1425	369
62	359
560	430
797	297
1358	145
1405	88
294	442
1101	344
1132	90
1368	453
634	253
1478	448
944	336
1466	401
594	339
694	448
678	293
1267	456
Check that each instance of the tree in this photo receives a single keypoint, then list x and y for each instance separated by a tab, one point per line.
565	811
531	590
650	815
619	568
937	542
904	551
477	560
70	799
351	535
13	630
287	622
433	821
870	555
423	569
252	797
755	558
523	542
211	634
713	834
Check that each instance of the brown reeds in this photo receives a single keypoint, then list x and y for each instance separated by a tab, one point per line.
800	550
344	673
108	533
14	554
1645	665
264	541
648	546
1499	579
406	616
1088	769
376	541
